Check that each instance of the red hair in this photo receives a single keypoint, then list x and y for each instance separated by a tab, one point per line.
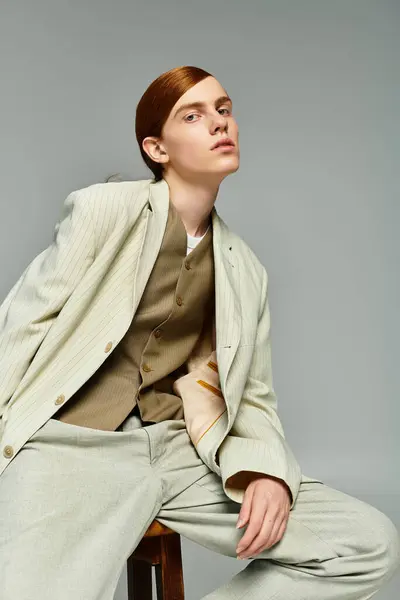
156	104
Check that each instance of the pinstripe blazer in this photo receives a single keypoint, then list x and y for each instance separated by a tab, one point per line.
75	301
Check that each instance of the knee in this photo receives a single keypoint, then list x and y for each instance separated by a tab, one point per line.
385	540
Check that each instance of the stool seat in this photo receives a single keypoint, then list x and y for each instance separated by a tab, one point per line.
160	547
157	528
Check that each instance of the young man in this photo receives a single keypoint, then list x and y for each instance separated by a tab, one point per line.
136	384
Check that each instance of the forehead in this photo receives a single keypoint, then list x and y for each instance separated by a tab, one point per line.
207	91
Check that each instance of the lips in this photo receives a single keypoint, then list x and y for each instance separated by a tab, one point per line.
224	142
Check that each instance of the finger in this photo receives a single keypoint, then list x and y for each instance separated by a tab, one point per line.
253	528
245	510
259	508
271	522
275	536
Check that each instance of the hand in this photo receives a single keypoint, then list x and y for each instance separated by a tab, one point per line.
265	507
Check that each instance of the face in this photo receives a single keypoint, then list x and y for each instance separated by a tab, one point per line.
190	132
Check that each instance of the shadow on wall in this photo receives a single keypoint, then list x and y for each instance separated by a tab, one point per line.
114	177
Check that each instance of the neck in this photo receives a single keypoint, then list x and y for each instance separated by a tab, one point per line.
193	201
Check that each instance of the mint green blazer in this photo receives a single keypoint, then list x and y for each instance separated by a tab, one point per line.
75	301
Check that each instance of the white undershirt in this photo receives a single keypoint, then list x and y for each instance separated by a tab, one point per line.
192	241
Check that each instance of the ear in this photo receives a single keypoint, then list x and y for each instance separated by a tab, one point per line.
155	149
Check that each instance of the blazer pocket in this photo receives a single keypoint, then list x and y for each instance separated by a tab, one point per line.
202	398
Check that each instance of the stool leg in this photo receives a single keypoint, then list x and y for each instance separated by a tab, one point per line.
169	574
159	584
139	579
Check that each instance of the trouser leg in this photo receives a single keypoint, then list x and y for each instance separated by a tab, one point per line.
74	503
335	546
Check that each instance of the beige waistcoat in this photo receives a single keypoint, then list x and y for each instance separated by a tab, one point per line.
175	315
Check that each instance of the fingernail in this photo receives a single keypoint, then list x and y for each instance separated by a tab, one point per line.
239	523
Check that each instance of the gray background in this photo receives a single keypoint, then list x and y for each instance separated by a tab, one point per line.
315	87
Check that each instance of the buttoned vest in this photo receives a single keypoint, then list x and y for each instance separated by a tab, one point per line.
174	315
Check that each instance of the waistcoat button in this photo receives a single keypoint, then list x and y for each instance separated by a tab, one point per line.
157	333
187	266
146	368
179	301
108	347
60	399
8	451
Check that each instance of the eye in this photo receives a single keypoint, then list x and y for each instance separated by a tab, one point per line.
194	114
187	116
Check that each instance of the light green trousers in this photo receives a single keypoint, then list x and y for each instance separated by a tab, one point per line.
75	502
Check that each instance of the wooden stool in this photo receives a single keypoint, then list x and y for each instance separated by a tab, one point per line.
160	547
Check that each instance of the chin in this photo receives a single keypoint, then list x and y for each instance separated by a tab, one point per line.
231	169
228	168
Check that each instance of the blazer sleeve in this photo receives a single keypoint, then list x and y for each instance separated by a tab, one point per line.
33	303
256	443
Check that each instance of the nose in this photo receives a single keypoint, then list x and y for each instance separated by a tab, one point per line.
220	123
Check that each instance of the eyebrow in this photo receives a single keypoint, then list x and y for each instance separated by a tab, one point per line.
219	100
